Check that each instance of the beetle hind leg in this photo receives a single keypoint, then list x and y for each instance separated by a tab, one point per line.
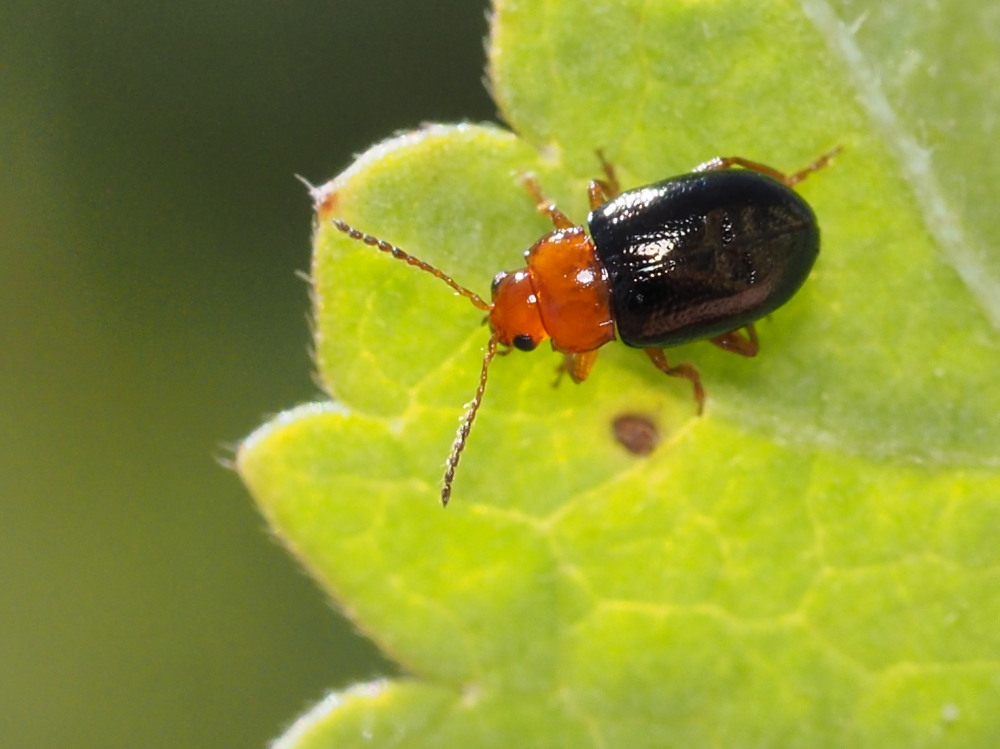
736	343
684	371
727	162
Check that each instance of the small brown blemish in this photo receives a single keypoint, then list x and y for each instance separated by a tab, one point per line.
636	433
325	197
326	202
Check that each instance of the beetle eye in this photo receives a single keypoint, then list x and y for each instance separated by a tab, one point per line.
524	342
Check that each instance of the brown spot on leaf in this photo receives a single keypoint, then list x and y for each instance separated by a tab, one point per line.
636	433
326	200
325	197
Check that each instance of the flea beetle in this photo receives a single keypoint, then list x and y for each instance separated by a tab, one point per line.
698	256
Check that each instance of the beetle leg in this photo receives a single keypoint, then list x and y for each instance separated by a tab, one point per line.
727	162
611	179
684	371
545	206
815	166
738	344
601	191
577	366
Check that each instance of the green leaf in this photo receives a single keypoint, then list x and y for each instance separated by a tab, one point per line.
813	562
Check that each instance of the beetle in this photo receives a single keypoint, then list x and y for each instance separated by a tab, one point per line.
698	256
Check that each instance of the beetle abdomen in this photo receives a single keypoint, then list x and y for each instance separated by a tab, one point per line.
702	254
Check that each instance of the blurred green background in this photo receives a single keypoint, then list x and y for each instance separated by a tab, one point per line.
150	317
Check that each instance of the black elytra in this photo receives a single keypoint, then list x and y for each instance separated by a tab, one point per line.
702	254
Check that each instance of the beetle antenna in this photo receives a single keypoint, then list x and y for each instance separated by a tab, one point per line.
466	426
397	253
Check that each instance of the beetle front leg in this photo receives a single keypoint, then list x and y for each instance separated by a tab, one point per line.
738	344
577	366
545	206
684	371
